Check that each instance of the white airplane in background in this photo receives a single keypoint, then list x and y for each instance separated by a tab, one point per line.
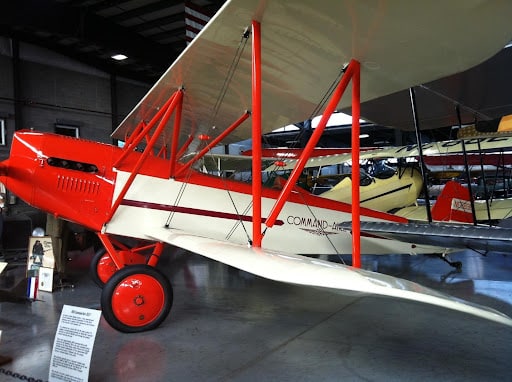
383	189
297	57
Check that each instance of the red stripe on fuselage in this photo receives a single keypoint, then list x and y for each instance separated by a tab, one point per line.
190	211
295	197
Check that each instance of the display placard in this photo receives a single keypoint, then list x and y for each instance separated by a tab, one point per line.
73	344
45	279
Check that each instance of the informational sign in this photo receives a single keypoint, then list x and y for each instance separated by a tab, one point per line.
45	279
73	344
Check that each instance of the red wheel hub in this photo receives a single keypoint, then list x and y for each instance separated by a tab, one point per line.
138	300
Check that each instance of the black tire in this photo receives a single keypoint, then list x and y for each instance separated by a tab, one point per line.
136	299
101	275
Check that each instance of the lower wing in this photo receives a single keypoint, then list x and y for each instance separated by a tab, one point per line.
482	238
296	269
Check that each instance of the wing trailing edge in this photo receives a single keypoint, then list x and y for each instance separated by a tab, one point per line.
301	270
449	235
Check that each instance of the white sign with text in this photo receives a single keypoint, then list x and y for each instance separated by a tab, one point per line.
73	344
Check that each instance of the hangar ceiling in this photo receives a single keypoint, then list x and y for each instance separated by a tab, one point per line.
151	33
480	93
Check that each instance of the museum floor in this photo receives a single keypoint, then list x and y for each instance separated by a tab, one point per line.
228	325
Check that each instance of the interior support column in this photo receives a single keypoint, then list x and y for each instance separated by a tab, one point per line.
16	77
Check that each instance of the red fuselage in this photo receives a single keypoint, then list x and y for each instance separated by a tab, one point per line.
74	179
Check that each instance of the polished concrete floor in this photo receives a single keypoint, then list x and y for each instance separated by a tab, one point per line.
228	325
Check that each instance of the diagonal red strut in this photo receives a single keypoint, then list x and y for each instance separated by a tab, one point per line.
352	72
306	153
177	98
213	143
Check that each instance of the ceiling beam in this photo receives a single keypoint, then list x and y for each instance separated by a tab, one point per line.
178	17
102	5
153	7
67	21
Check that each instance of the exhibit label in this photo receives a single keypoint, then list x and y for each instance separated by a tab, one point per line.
73	344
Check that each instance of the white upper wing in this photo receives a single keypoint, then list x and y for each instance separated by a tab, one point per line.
302	270
399	43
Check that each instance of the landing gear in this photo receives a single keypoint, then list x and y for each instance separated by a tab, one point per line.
136	298
115	255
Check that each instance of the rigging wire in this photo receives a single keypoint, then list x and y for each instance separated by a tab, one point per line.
179	196
220	98
320	106
231	71
216	108
321	229
316	111
328	93
222	93
240	220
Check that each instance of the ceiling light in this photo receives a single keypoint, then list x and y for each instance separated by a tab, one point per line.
119	57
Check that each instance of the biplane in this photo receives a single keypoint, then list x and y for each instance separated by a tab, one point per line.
275	62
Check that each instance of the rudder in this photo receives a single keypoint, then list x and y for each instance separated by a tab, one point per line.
453	204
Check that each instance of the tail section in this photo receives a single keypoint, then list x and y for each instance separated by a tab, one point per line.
453	204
